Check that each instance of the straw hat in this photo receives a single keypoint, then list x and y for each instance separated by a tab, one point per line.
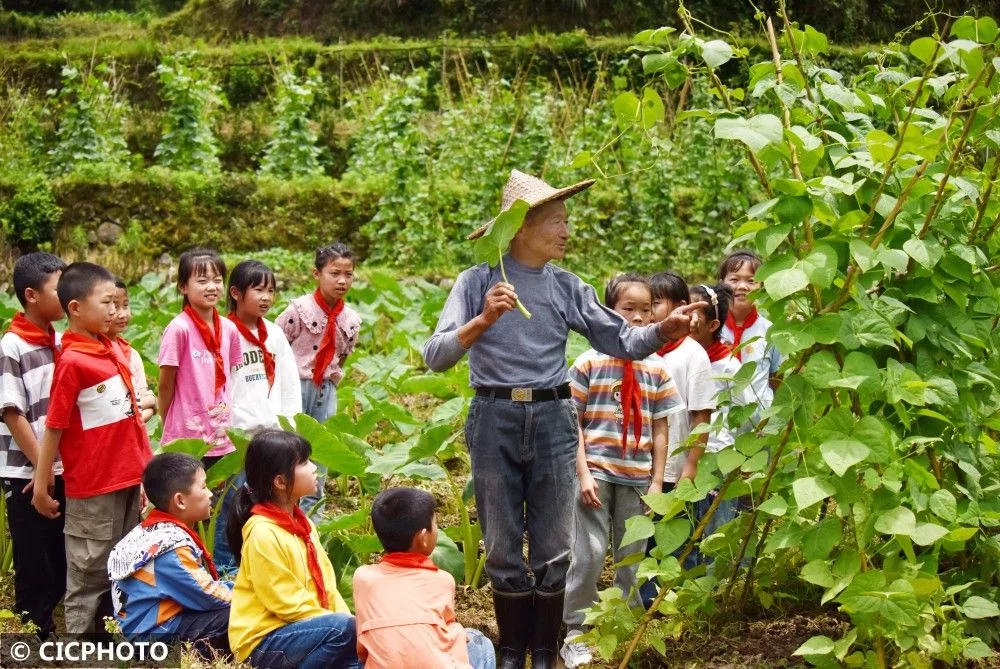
534	191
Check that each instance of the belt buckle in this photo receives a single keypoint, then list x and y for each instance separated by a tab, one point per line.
520	394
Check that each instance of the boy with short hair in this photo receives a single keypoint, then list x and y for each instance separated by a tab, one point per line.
28	351
94	423
164	581
405	606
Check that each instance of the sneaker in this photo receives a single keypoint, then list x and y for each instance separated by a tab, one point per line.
575	653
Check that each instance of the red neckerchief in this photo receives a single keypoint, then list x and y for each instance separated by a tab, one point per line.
410	560
102	347
33	334
717	351
328	347
670	346
738	330
259	340
297	524
213	342
631	406
157	516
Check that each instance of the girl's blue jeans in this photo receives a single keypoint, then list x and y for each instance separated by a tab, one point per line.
324	642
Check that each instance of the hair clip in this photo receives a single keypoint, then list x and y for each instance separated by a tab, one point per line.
713	298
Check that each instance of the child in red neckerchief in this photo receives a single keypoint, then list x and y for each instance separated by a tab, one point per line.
323	331
94	423
197	354
405	604
123	314
28	353
286	609
164	582
728	394
745	329
623	408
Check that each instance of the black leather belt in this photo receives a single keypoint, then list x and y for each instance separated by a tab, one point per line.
526	394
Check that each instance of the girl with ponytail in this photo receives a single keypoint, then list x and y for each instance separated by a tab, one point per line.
286	610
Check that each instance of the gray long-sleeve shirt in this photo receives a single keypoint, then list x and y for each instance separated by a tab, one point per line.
520	353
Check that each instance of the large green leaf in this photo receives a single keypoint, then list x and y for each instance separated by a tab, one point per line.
327	449
496	241
756	132
811	489
448	557
842	454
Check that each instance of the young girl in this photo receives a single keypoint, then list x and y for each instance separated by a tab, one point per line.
286	610
323	331
123	314
724	368
265	381
623	407
692	374
745	330
197	352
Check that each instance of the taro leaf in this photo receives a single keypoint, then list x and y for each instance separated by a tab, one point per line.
193	447
756	132
491	245
327	448
447	556
431	439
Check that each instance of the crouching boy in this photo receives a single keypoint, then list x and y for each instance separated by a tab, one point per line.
405	606
164	582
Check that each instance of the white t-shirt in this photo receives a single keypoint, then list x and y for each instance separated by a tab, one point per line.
692	374
25	383
254	406
755	348
721	436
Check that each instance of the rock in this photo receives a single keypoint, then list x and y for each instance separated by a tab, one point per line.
91	237
108	233
165	260
447	283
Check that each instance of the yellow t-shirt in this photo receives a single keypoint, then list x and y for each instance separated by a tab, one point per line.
273	587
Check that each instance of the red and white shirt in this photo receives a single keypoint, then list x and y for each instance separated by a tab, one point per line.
104	445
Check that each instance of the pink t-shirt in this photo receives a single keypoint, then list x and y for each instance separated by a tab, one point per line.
198	412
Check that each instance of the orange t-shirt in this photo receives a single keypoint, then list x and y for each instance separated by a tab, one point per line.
406	618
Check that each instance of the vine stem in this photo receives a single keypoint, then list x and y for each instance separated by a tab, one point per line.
503	273
688	548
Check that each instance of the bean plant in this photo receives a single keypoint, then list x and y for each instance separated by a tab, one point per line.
292	151
873	475
188	141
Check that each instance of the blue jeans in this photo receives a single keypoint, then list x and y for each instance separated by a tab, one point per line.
327	641
320	403
524	475
223	557
482	655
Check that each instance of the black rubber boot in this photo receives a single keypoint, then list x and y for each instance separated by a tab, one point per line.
548	620
514	618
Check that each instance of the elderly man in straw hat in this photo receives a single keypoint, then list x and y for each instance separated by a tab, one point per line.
522	428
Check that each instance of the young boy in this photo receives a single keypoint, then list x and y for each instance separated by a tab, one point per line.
123	314
405	606
623	407
163	579
745	330
28	351
95	424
